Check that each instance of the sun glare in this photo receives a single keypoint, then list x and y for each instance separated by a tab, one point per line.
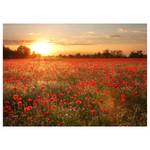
42	47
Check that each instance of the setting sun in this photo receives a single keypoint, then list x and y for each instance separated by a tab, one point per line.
42	47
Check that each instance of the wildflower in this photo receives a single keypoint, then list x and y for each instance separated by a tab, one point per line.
103	110
46	113
106	93
28	108
6	103
42	88
60	124
20	103
25	109
7	108
52	107
39	97
78	102
29	99
19	99
93	83
61	94
87	98
15	97
122	97
93	111
62	102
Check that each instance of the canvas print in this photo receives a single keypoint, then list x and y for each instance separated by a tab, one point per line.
74	74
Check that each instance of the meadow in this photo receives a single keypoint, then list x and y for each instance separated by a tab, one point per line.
75	92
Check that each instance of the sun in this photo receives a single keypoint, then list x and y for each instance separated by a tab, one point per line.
42	47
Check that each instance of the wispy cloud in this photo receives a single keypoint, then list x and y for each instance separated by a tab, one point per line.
123	30
59	42
34	34
138	31
91	32
17	42
74	41
115	36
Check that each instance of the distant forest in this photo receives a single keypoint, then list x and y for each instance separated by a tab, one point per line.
25	52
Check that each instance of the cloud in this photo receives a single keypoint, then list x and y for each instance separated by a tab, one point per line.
59	42
75	43
85	39
17	42
138	31
115	36
34	34
123	30
91	32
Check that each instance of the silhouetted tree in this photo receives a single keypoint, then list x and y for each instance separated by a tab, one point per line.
117	54
23	51
137	54
33	55
99	54
78	55
8	53
106	54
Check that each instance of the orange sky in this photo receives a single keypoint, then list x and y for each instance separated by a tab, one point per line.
74	38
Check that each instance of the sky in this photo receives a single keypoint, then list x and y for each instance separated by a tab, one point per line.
78	38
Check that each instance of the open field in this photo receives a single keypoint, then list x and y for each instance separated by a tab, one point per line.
75	92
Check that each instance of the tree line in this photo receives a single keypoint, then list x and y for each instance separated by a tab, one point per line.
25	52
108	54
21	52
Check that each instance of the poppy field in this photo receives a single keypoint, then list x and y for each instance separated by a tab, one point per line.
75	92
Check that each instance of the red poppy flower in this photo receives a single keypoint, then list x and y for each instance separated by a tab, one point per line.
20	103
93	111
78	102
7	108
29	99
28	108
15	97
19	99
52	107
122	97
